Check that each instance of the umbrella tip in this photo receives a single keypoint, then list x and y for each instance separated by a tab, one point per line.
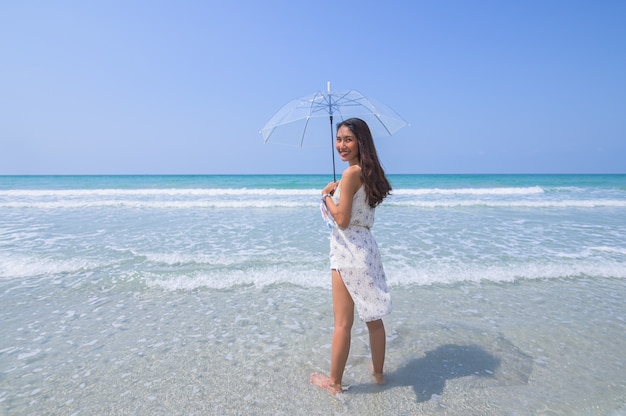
328	86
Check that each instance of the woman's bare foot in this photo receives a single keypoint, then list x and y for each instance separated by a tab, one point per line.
322	381
378	377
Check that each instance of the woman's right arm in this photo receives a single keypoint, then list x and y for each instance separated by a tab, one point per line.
350	183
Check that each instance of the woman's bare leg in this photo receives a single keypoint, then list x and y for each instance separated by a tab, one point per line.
377	346
343	308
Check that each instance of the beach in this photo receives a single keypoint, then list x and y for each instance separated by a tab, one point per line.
211	295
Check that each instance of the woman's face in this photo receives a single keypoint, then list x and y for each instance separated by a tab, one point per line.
347	145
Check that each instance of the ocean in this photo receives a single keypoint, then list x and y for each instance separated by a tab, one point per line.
211	295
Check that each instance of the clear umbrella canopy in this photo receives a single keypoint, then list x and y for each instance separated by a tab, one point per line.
308	120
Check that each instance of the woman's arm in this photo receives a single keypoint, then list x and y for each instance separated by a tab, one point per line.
350	183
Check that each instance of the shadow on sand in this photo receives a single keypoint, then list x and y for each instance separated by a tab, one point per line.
428	375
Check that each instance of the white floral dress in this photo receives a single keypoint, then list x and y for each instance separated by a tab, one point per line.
355	255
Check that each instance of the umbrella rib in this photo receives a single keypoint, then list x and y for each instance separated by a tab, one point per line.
355	102
308	117
304	131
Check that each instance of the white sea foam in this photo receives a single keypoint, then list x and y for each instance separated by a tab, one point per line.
596	203
242	198
221	192
310	202
398	276
235	278
436	274
21	266
177	270
605	249
161	204
533	190
162	192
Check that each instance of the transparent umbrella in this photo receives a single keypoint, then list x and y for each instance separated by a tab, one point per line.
294	118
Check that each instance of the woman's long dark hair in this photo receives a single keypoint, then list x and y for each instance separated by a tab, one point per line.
377	187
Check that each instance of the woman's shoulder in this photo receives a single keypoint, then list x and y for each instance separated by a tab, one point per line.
351	178
351	172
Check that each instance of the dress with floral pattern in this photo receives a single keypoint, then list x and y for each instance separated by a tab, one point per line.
355	255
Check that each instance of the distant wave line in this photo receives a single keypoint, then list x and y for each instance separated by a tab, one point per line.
471	191
38	193
154	192
592	203
274	203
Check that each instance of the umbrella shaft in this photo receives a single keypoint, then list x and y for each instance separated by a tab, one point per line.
332	147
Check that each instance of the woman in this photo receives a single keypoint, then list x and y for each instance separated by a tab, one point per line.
358	278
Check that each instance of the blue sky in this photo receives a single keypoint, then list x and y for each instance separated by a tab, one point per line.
164	87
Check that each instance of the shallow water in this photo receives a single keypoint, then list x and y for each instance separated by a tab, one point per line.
210	295
468	348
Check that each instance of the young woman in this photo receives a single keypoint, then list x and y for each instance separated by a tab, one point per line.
358	278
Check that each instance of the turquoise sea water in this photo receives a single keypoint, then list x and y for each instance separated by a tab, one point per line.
130	294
